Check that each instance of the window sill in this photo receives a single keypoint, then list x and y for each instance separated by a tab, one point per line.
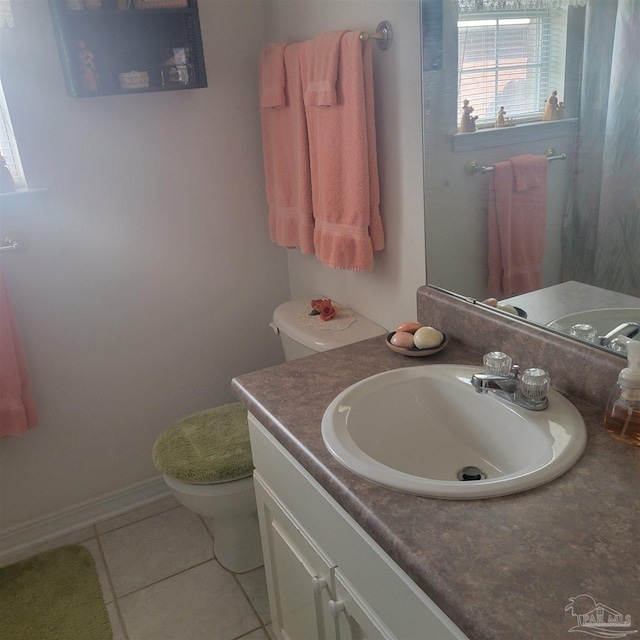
529	132
28	201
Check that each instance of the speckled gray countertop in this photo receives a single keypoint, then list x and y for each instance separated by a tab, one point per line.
500	568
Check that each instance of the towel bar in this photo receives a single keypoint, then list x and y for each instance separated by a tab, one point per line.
383	34
472	167
13	242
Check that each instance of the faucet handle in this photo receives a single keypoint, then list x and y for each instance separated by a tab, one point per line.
497	363
535	384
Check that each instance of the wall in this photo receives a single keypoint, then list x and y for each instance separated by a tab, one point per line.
387	294
149	279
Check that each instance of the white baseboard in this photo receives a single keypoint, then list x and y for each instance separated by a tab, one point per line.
85	514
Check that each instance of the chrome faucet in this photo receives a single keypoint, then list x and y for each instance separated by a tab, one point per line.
626	329
528	391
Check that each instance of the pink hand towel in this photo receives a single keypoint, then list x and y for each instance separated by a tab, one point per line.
286	158
17	408
344	168
529	171
516	224
319	59
272	76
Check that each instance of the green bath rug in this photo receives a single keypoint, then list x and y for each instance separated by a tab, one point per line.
55	595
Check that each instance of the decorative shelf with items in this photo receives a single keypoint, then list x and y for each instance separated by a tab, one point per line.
110	47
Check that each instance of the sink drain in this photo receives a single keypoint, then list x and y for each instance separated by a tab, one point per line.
471	473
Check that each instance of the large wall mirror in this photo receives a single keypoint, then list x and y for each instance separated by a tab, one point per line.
590	236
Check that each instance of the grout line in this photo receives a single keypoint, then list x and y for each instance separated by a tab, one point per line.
173	575
113	590
245	635
128	524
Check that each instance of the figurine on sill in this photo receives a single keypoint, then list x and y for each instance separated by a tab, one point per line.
467	122
500	121
560	111
88	75
551	107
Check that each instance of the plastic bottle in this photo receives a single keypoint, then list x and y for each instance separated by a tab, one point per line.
622	415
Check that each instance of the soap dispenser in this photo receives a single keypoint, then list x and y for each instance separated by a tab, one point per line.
622	415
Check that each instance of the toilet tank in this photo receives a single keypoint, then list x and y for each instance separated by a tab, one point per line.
303	335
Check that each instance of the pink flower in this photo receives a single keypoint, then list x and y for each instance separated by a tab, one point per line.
324	309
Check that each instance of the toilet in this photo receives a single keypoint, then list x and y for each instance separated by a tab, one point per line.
205	458
303	335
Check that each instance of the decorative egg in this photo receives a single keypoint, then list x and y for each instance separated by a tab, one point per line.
402	339
427	338
409	327
503	306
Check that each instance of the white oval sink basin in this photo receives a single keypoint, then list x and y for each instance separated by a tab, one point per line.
414	429
603	320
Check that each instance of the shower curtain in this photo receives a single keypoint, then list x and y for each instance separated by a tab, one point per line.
601	236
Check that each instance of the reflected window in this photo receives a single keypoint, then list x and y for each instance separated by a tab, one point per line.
509	63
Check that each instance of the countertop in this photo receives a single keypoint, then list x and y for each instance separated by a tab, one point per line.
500	568
549	304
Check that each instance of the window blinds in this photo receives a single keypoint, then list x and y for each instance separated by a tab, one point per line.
8	145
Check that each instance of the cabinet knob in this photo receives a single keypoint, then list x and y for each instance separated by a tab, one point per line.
318	585
336	607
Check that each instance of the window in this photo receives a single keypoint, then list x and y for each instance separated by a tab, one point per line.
510	59
9	146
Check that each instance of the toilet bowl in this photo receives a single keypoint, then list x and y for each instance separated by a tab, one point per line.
205	459
232	509
194	455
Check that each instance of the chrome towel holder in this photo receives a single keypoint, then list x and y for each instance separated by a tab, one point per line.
472	167
383	35
13	242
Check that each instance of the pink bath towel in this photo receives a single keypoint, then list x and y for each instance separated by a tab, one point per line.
344	167
286	155
320	62
272	75
516	221
17	408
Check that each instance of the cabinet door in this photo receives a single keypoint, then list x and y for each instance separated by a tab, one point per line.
298	574
354	618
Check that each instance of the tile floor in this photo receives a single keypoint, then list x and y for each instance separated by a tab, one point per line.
161	581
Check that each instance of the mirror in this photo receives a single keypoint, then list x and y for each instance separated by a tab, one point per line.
582	271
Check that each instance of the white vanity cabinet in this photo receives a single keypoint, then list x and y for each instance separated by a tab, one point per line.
326	578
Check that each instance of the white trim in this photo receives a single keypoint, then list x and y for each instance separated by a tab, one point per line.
85	514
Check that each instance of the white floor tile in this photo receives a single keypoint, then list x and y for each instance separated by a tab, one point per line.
152	549
203	603
254	584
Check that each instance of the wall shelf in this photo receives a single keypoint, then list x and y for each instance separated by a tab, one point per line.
96	46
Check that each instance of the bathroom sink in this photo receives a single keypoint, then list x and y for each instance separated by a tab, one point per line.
602	320
425	430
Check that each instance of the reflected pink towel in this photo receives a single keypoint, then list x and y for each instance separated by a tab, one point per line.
320	69
286	154
344	167
17	408
517	216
